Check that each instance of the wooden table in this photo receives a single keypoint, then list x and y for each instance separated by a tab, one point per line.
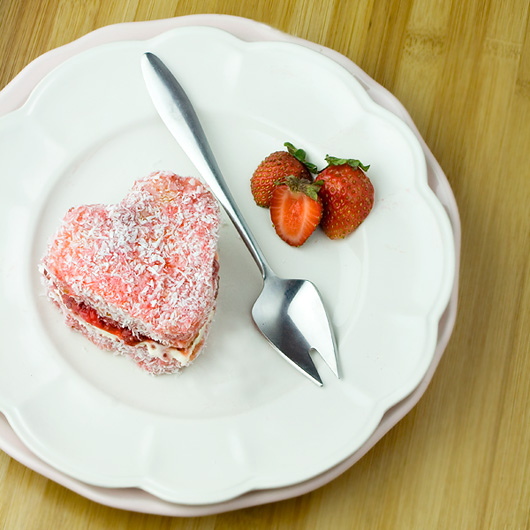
461	458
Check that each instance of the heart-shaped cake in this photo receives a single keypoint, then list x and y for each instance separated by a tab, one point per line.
140	277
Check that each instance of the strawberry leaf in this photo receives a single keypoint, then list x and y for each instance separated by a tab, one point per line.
305	186
300	155
334	161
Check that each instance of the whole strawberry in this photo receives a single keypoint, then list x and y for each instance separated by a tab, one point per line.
347	196
296	209
273	170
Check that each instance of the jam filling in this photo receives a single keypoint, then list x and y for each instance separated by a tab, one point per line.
91	316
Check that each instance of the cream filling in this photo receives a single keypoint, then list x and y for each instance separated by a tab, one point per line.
155	349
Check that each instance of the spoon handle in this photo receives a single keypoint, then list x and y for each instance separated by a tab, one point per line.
177	112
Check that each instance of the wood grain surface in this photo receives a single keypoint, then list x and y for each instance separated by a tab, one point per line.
461	458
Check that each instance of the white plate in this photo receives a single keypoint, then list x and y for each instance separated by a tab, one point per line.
240	418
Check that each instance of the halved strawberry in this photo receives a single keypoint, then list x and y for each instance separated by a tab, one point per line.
273	170
347	196
296	209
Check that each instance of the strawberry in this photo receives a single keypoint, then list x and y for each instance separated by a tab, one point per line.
275	168
347	196
296	209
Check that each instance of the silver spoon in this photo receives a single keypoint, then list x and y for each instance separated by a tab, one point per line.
288	312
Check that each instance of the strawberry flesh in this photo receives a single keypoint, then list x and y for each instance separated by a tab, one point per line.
294	212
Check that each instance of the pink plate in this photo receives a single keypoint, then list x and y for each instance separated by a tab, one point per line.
15	94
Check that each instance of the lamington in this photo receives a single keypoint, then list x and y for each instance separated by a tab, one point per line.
140	278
